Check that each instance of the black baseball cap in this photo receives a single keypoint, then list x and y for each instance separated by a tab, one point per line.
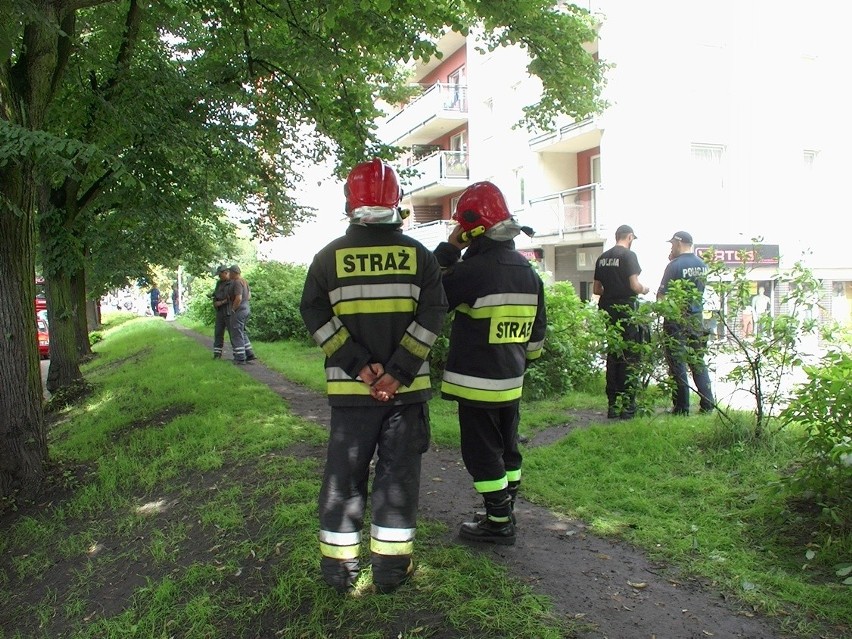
625	229
681	236
221	268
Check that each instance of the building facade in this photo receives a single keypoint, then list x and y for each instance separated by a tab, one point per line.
727	120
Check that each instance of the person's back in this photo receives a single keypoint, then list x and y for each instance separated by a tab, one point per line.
373	302
496	294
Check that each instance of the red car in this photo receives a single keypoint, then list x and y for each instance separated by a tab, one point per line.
43	339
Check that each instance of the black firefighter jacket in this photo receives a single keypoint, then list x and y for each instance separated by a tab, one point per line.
499	324
374	295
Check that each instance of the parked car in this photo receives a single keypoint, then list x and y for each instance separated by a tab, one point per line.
43	339
40	299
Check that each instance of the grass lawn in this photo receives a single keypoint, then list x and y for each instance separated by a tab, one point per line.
187	506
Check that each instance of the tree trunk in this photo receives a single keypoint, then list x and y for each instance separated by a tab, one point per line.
81	317
93	316
23	442
61	313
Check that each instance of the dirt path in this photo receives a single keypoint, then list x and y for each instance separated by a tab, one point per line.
585	576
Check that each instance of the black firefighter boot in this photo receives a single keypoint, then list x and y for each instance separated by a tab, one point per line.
497	526
513	496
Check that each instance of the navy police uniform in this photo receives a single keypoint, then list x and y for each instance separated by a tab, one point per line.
686	339
613	270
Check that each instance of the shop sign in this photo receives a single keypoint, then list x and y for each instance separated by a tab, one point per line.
732	254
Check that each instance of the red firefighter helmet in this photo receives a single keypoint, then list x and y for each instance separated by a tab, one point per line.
480	207
372	184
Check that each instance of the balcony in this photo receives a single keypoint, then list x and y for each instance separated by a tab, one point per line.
432	233
439	174
570	211
435	112
570	137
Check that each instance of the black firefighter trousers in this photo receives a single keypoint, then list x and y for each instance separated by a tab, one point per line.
399	435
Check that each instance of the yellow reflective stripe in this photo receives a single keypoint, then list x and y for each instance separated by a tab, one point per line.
339	552
497	311
480	395
356	387
531	355
513	475
393	305
414	347
339	339
391	547
491	485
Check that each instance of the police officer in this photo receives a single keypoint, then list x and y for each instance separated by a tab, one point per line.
223	310
239	295
498	328
686	340
373	302
617	283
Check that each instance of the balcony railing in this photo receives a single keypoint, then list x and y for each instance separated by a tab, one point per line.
569	211
445	169
436	111
432	233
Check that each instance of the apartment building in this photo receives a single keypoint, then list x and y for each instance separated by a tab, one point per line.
726	119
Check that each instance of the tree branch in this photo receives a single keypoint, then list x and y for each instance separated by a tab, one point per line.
128	44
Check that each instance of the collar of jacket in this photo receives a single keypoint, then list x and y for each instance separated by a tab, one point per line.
484	244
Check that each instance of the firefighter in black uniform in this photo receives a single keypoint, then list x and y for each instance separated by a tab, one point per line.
223	310
499	327
617	283
373	302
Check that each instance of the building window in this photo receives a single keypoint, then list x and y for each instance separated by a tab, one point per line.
708	166
810	160
595	169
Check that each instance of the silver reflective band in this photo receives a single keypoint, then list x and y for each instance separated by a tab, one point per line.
376	215
339	538
327	330
506	299
392	534
483	383
373	291
424	335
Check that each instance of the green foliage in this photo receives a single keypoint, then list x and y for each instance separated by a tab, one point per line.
573	345
276	290
199	303
823	407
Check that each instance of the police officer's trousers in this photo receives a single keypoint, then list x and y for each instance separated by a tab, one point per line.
399	435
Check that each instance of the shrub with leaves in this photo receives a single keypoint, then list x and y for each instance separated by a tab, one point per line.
823	406
573	347
199	306
276	290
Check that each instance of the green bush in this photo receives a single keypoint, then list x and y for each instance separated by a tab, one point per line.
199	306
823	407
276	290
573	347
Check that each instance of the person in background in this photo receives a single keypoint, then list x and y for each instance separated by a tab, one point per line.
498	328
239	295
162	308
686	340
617	283
155	299
176	299
373	302
760	306
223	310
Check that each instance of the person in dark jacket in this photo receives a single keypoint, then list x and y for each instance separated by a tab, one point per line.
499	326
686	339
373	302
223	310
155	299
617	283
